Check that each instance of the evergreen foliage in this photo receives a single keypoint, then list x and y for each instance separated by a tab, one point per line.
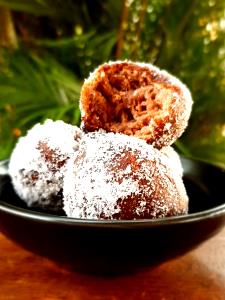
59	42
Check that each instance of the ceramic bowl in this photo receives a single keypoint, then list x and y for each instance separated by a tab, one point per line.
118	246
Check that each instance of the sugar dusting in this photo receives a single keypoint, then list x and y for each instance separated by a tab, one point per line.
115	173
38	162
174	159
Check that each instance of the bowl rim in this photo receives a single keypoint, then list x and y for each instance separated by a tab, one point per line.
51	218
64	220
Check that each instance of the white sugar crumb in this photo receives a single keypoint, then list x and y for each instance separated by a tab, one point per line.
167	126
38	162
112	171
141	208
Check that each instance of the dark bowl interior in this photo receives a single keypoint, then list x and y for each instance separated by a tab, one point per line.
118	246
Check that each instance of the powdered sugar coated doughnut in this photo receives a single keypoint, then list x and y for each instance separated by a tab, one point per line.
38	162
114	176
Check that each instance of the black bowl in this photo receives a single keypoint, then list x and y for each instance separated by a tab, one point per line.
118	246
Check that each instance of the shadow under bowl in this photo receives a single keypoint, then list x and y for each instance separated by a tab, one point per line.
112	247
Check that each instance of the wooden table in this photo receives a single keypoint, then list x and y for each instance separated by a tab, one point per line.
198	275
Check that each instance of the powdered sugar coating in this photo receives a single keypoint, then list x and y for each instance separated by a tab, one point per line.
174	159
38	162
156	110
114	176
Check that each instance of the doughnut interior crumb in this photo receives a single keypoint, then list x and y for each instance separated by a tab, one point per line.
135	99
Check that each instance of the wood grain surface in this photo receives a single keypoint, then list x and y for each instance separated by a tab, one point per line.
200	274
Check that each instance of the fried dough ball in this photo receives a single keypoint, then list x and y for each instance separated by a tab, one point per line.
117	177
38	162
135	99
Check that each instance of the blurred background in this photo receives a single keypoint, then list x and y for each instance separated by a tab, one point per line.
48	47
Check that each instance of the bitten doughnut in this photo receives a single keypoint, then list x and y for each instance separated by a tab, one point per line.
117	177
38	162
135	99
